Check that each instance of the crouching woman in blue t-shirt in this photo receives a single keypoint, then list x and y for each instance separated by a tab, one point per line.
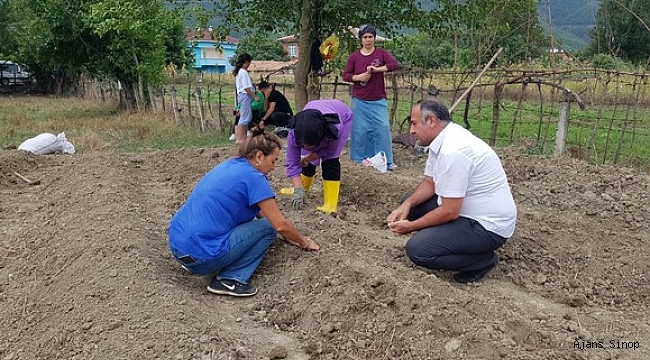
216	229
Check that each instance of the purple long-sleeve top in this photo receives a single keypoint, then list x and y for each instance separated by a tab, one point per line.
375	88
328	148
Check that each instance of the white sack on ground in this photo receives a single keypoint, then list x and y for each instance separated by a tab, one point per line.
379	162
47	143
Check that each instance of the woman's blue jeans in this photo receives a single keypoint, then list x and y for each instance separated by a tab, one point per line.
245	111
248	245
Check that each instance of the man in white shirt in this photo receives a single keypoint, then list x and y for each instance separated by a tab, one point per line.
463	209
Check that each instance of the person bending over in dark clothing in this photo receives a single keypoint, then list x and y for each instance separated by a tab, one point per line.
278	111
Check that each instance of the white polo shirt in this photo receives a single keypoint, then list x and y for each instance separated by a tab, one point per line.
464	166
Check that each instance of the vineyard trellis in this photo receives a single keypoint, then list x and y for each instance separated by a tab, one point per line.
609	125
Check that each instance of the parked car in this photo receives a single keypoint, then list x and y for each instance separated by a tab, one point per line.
15	74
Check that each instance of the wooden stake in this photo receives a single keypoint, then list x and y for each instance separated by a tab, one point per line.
29	182
471	86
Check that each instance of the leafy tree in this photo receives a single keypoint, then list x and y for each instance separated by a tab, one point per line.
260	47
605	61
481	26
129	41
422	50
135	32
55	40
7	30
314	20
622	30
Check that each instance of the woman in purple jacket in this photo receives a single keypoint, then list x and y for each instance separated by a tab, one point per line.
365	68
316	136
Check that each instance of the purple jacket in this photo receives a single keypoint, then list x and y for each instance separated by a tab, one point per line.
328	148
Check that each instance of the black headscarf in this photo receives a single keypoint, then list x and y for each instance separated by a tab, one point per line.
311	127
367	29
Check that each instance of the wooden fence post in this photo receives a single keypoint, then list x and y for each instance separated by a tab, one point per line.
199	104
628	108
220	97
162	100
562	125
496	105
394	105
189	97
174	104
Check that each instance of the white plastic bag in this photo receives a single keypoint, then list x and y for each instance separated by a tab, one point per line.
68	148
379	162
47	143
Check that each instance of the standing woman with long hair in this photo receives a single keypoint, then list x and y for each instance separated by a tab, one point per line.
245	95
365	68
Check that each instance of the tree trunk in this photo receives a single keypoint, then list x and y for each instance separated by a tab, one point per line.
301	74
313	87
59	77
152	98
140	98
128	97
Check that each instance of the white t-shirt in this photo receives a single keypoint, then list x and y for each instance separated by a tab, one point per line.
464	166
243	81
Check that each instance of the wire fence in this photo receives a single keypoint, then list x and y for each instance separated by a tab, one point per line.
598	115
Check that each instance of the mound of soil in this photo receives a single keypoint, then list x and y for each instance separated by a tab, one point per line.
85	272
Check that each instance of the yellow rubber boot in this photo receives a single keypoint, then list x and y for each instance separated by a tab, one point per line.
330	196
307	181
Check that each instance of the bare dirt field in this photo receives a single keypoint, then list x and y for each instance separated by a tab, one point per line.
85	272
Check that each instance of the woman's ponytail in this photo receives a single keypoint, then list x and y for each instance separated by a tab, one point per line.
241	60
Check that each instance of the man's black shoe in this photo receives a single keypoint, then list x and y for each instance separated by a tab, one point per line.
473	276
231	287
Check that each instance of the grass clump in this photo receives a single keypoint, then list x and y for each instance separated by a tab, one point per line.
93	126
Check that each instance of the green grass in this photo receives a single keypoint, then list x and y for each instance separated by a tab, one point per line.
94	126
599	133
214	93
602	133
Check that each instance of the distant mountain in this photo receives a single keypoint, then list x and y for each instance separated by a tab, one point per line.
569	20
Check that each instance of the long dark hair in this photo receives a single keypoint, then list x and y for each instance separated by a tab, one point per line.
241	59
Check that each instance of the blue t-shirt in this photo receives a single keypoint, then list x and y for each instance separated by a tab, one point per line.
224	198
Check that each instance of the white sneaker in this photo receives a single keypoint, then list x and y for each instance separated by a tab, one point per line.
232	137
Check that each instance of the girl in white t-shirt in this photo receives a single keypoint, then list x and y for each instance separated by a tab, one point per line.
245	95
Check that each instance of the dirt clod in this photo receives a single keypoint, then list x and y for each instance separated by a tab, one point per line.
278	352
